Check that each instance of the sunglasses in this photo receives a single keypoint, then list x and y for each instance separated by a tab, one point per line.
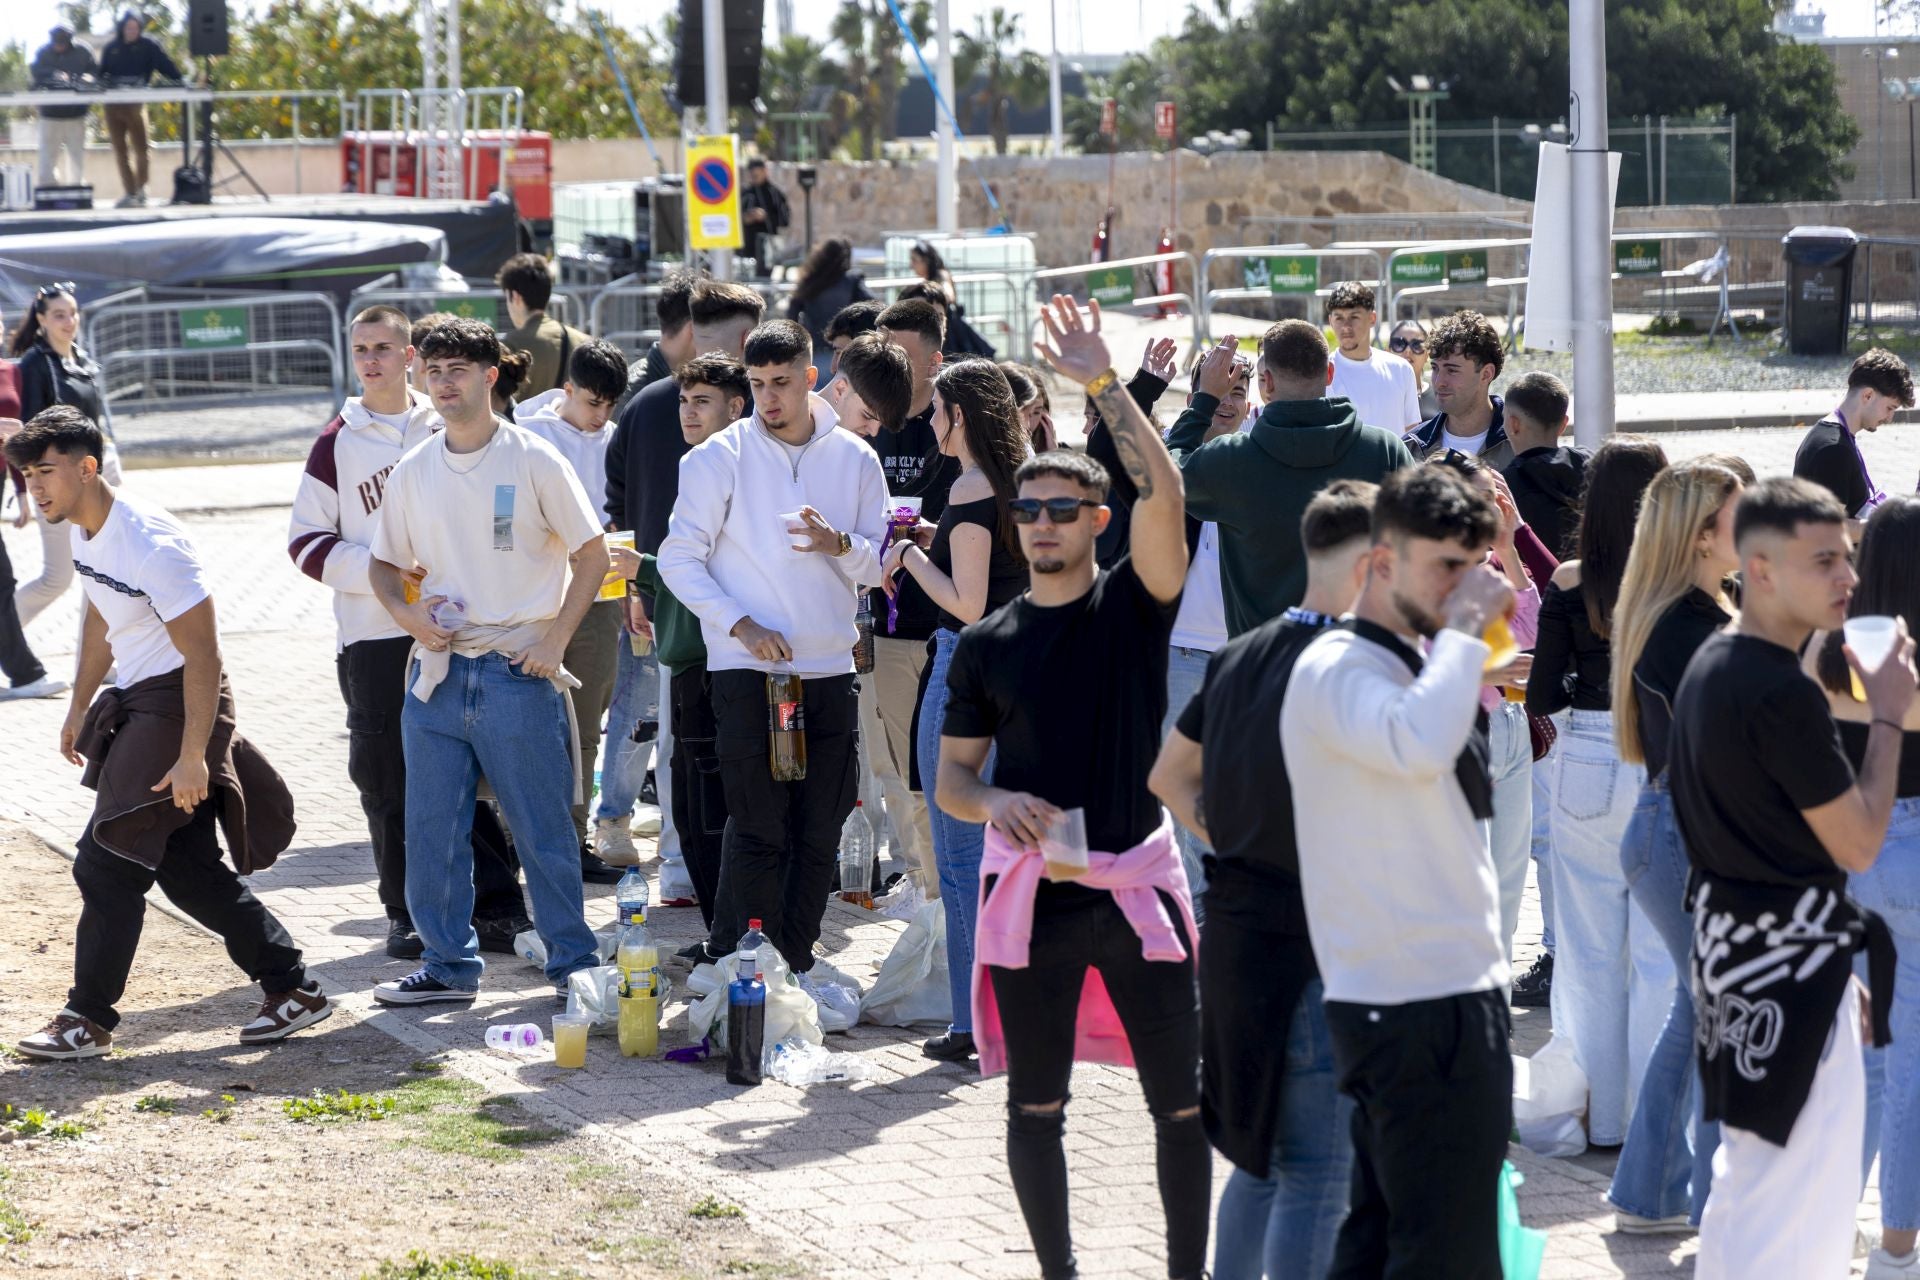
1059	510
1416	345
54	290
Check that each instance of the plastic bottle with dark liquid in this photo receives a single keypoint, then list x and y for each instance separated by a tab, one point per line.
786	727
746	1011
863	637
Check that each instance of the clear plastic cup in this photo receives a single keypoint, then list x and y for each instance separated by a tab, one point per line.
450	615
794	525
570	1039
613	586
515	1037
1064	846
1871	637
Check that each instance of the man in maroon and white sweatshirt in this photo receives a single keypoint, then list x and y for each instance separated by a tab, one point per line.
335	514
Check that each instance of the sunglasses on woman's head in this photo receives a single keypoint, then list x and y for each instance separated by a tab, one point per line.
1059	510
1416	345
54	290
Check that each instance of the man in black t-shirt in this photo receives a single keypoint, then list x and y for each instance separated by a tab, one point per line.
1267	1097
1068	686
1879	385
1774	820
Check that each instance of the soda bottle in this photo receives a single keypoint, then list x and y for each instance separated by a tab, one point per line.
856	858
786	726
637	958
746	1016
630	895
639	1025
863	637
752	942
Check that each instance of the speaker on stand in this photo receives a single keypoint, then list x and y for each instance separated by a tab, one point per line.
207	40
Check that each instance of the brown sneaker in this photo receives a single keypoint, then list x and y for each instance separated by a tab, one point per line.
285	1012
68	1036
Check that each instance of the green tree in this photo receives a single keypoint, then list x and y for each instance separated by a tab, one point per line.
1010	78
874	62
797	75
1135	86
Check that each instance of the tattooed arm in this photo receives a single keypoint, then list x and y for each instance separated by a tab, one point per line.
1158	543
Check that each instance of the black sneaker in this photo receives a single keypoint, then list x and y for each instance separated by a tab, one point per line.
402	942
420	988
954	1046
595	871
1534	988
497	935
649	791
695	954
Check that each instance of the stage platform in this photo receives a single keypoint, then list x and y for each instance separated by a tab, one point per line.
481	234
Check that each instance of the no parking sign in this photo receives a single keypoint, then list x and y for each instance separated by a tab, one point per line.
713	192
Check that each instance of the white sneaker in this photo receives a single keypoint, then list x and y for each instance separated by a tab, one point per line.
44	687
1632	1224
613	844
646	820
1882	1265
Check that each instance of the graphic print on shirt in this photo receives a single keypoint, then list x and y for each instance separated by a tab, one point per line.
503	517
1737	960
373	489
115	584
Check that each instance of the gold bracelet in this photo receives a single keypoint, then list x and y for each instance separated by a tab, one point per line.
1101	381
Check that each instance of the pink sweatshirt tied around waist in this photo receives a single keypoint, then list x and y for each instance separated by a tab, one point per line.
1005	932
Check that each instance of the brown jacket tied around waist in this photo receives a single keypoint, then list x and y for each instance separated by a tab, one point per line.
131	738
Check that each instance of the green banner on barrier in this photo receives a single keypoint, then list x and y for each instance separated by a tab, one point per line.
1420	268
469	307
1467	266
1636	257
1111	286
214	328
1293	275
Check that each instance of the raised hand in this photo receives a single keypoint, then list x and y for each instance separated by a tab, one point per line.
1214	377
1074	346
1158	359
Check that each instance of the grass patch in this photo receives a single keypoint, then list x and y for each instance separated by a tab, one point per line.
37	1123
329	1108
453	1118
587	1173
15	1226
753	1267
461	1266
222	1113
156	1104
707	1207
426	1067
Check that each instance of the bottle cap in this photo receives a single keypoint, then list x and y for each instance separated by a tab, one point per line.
753	924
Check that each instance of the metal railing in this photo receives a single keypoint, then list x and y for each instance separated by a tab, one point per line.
1079	273
205	351
483	302
1316	230
1276	290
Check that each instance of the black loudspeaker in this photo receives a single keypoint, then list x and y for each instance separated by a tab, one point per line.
207	28
745	20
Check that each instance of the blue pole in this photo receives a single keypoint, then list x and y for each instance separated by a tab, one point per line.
625	90
940	101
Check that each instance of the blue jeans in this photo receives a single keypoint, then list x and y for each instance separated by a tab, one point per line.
1284	1225
1186	671
1543	831
1892	888
1510	834
639	692
1613	978
486	717
1661	1174
957	845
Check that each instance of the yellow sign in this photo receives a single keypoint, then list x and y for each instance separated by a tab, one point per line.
713	192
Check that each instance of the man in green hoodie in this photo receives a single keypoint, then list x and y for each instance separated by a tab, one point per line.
1256	484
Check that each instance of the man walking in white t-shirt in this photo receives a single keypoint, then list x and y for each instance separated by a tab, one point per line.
495	515
1380	384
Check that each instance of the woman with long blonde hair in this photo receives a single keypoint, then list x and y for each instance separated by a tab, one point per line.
1672	599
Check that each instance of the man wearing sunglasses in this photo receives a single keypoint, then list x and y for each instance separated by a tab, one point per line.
1066	686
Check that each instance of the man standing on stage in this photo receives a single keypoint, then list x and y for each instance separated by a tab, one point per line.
130	61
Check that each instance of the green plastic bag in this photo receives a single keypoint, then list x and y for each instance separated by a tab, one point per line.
1521	1248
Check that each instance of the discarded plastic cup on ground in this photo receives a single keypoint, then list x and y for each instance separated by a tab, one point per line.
515	1037
800	1064
570	1039
1064	846
1871	637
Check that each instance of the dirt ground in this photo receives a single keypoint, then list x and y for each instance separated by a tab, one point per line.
174	1156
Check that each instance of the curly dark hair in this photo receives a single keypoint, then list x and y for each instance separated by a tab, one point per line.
1349	293
461	339
1885	372
1469	334
1435	503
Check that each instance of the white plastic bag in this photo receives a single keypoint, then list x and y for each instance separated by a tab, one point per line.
1550	1101
903	902
596	994
800	1064
912	986
528	946
791	1012
838	997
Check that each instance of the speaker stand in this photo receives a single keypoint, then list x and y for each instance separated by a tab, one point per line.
210	141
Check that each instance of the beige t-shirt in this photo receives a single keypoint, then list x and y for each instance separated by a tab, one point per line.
493	528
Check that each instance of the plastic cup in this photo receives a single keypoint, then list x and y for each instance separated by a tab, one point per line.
912	504
520	1037
1499	639
613	586
570	1039
1064	846
794	525
1871	637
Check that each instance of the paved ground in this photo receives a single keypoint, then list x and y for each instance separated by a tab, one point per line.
901	1177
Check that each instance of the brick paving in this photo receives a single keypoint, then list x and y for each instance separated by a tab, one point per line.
901	1177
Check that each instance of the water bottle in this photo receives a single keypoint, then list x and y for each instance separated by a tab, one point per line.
746	1022
630	896
856	858
863	637
751	943
449	615
515	1037
786	726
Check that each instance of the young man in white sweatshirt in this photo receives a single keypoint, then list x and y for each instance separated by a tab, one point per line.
1387	753
573	419
335	511
776	592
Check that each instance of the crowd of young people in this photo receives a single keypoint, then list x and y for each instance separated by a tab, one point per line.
1100	678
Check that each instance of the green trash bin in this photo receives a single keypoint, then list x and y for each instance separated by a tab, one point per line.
1819	289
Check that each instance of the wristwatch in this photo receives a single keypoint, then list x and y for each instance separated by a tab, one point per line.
846	545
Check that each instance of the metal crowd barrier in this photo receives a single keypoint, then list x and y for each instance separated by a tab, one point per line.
205	351
1079	273
1275	290
483	303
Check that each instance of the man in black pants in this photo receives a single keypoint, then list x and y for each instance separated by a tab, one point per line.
1387	753
780	517
1068	684
335	511
161	751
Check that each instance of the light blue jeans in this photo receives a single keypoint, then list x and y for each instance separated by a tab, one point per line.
957	845
1186	672
639	692
1283	1226
486	717
1892	888
1543	833
1511	832
1613	977
1661	1174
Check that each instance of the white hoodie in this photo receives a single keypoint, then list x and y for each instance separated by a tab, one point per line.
727	555
585	451
328	537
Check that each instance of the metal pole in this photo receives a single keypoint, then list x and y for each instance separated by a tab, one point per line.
1913	170
1496	155
1053	80
1663	159
946	197
1733	171
713	32
296	144
1879	128
1592	218
1646	129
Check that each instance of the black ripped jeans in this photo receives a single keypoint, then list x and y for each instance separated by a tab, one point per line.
1076	929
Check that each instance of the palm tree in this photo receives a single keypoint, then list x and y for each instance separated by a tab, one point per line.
1135	86
797	76
866	32
1010	78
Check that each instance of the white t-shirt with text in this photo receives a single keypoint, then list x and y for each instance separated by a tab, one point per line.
139	573
1382	389
493	528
